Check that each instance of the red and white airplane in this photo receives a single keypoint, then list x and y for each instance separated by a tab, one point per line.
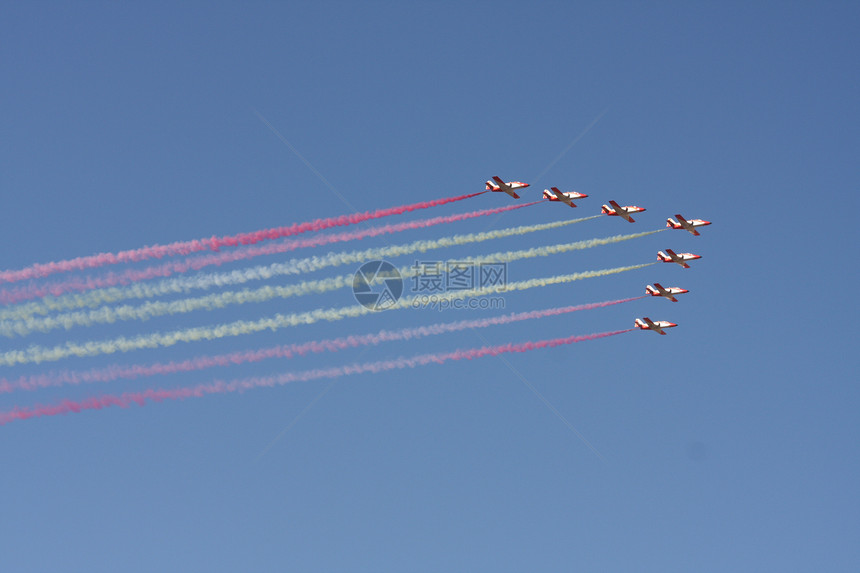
553	194
655	325
508	187
690	225
681	258
660	290
620	211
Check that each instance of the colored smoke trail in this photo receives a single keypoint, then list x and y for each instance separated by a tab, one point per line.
220	387
75	285
216	243
38	354
115	372
153	309
181	285
21	323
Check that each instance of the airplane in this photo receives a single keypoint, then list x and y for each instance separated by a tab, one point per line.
553	194
621	211
657	326
690	225
508	187
670	257
660	290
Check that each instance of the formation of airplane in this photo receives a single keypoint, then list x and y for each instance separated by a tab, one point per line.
501	186
682	223
625	212
618	211
680	258
553	194
655	325
660	290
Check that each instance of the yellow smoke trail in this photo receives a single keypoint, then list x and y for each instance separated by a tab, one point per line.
180	285
109	315
39	354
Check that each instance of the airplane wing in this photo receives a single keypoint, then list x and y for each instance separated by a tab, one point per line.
687	225
678	259
624	214
665	293
561	196
650	323
505	187
621	212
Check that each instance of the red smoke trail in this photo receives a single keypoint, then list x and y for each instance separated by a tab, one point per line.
15	295
130	372
216	243
220	387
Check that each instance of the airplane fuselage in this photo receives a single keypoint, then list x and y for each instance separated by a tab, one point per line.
501	186
550	196
687	225
679	258
617	210
655	325
667	292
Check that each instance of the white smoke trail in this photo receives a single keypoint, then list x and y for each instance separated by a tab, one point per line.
284	351
220	387
180	285
38	354
109	315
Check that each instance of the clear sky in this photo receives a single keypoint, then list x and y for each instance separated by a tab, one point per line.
730	444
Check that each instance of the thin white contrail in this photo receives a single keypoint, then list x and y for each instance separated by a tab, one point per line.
570	145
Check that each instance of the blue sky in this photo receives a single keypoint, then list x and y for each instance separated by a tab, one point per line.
728	445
